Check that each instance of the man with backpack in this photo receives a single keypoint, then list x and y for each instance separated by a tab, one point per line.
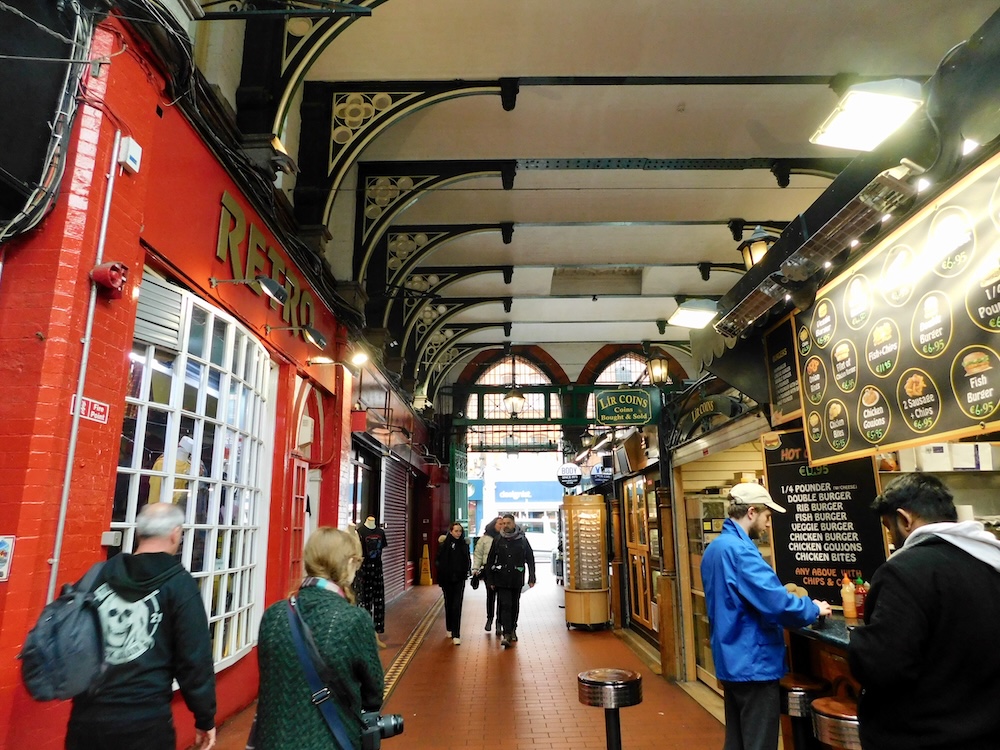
155	631
509	556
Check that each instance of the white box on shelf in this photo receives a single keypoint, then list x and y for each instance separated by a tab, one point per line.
988	456
933	457
963	456
907	459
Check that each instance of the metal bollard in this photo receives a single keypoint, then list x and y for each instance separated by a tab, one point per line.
610	689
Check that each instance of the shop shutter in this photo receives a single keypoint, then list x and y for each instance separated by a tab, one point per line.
396	523
158	317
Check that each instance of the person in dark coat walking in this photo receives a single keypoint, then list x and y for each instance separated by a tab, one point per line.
479	557
453	566
509	556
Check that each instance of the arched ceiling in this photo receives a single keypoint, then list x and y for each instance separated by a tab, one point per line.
616	141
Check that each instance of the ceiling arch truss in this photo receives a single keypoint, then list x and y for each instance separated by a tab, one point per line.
430	374
349	116
277	54
427	286
426	326
387	188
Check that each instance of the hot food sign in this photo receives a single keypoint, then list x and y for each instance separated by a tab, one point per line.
907	345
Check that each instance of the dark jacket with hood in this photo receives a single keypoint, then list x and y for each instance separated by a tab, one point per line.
453	562
508	558
155	631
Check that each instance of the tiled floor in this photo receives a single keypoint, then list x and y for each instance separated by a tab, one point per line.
477	695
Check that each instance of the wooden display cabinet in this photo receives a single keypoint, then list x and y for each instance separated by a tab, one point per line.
587	585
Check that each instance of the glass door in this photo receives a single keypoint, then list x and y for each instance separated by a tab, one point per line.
637	549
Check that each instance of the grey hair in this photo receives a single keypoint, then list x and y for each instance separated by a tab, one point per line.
158	520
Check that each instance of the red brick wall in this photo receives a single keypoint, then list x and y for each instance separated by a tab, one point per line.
44	295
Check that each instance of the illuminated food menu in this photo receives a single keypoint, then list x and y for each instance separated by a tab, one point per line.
906	347
828	528
782	378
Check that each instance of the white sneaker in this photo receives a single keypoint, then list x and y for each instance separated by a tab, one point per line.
447	634
457	641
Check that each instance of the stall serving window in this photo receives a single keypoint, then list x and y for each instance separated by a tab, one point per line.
196	433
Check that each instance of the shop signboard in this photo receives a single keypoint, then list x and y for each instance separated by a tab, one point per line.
782	377
600	474
570	475
623	406
828	528
905	348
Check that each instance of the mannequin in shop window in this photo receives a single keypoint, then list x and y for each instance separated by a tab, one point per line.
181	470
370	584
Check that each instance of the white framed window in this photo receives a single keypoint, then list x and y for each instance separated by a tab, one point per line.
197	432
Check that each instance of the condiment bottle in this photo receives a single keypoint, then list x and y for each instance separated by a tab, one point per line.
847	594
860	593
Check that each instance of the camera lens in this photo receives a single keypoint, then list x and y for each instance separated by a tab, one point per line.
391	725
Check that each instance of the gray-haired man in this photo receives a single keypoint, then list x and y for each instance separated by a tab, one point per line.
155	631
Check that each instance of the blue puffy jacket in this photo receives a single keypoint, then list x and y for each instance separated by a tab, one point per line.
747	609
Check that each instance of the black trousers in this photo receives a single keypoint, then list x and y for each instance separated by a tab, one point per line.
752	710
142	735
454	594
491	602
509	602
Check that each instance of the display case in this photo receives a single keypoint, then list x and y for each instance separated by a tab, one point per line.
585	560
705	513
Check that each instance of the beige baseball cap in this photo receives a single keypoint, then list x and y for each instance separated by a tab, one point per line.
751	493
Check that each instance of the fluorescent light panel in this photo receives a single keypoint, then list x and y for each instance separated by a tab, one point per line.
869	113
693	313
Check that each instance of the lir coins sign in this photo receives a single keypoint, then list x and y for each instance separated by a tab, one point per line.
623	406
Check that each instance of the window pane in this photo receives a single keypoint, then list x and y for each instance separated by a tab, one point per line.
212	394
136	368
162	377
219	342
192	386
196	335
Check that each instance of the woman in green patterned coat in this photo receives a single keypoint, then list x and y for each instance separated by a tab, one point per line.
345	639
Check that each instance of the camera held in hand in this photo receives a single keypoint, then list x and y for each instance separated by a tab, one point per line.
378	727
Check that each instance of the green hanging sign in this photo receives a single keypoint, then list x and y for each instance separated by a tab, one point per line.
625	406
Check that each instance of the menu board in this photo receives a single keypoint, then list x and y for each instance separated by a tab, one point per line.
782	377
828	528
906	347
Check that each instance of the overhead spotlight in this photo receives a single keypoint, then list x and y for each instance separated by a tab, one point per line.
313	336
269	286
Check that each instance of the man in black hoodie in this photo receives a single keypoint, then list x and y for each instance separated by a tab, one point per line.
155	631
508	558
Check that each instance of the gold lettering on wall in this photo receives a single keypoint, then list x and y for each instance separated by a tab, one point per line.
234	241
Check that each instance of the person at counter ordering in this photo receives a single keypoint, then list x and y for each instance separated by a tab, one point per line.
748	608
927	658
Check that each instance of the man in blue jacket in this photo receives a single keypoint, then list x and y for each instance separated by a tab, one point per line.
747	608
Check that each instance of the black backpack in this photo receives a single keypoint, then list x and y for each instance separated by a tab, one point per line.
63	655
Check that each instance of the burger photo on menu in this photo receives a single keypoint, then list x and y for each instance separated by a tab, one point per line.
976	361
991	278
841	352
